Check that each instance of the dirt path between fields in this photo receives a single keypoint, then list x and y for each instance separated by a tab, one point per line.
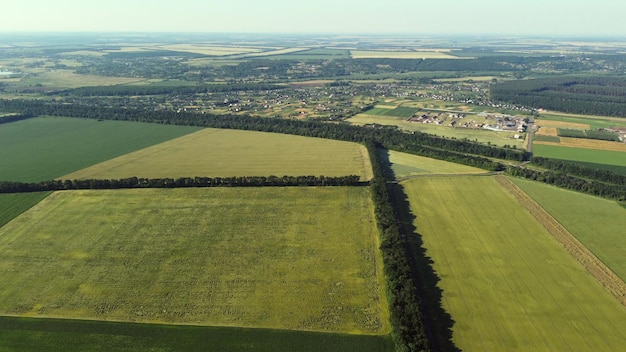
584	256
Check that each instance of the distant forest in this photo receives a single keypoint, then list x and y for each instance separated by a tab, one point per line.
596	95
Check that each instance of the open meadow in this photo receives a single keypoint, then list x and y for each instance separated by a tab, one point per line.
507	283
298	258
223	153
44	148
598	223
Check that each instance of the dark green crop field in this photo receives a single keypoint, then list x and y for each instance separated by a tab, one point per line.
29	334
44	148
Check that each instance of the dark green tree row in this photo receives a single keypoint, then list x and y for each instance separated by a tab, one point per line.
13	118
583	95
126	90
406	313
575	169
136	182
460	151
574	183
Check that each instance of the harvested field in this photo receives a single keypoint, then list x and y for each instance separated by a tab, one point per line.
587	144
548	131
301	258
561	124
225	153
584	256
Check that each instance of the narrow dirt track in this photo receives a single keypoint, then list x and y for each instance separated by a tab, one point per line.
584	256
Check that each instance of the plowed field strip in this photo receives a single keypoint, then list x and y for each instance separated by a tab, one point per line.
584	256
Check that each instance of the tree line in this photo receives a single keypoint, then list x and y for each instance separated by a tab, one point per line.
574	183
576	169
13	118
407	321
182	182
449	149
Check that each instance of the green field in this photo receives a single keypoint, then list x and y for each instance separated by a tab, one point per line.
13	204
48	147
298	258
404	164
224	153
598	223
27	334
608	157
397	112
507	283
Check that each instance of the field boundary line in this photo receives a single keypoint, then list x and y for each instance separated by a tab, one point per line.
607	278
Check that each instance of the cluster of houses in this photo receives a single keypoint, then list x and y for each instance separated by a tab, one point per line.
485	121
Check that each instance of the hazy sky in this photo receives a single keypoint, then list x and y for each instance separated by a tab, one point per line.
546	17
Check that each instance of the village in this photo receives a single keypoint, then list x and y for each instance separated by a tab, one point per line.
487	121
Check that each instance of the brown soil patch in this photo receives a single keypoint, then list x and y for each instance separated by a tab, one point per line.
607	278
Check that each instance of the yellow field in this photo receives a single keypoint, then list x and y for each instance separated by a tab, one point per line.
375	54
587	144
223	153
297	258
404	164
548	131
562	124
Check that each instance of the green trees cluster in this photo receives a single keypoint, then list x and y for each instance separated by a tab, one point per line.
406	314
139	182
581	95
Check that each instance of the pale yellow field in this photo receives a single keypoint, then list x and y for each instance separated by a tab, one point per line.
465	79
374	54
587	144
275	52
69	79
562	124
85	53
229	153
404	164
213	50
548	131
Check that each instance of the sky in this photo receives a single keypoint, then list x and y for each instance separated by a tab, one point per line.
503	17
